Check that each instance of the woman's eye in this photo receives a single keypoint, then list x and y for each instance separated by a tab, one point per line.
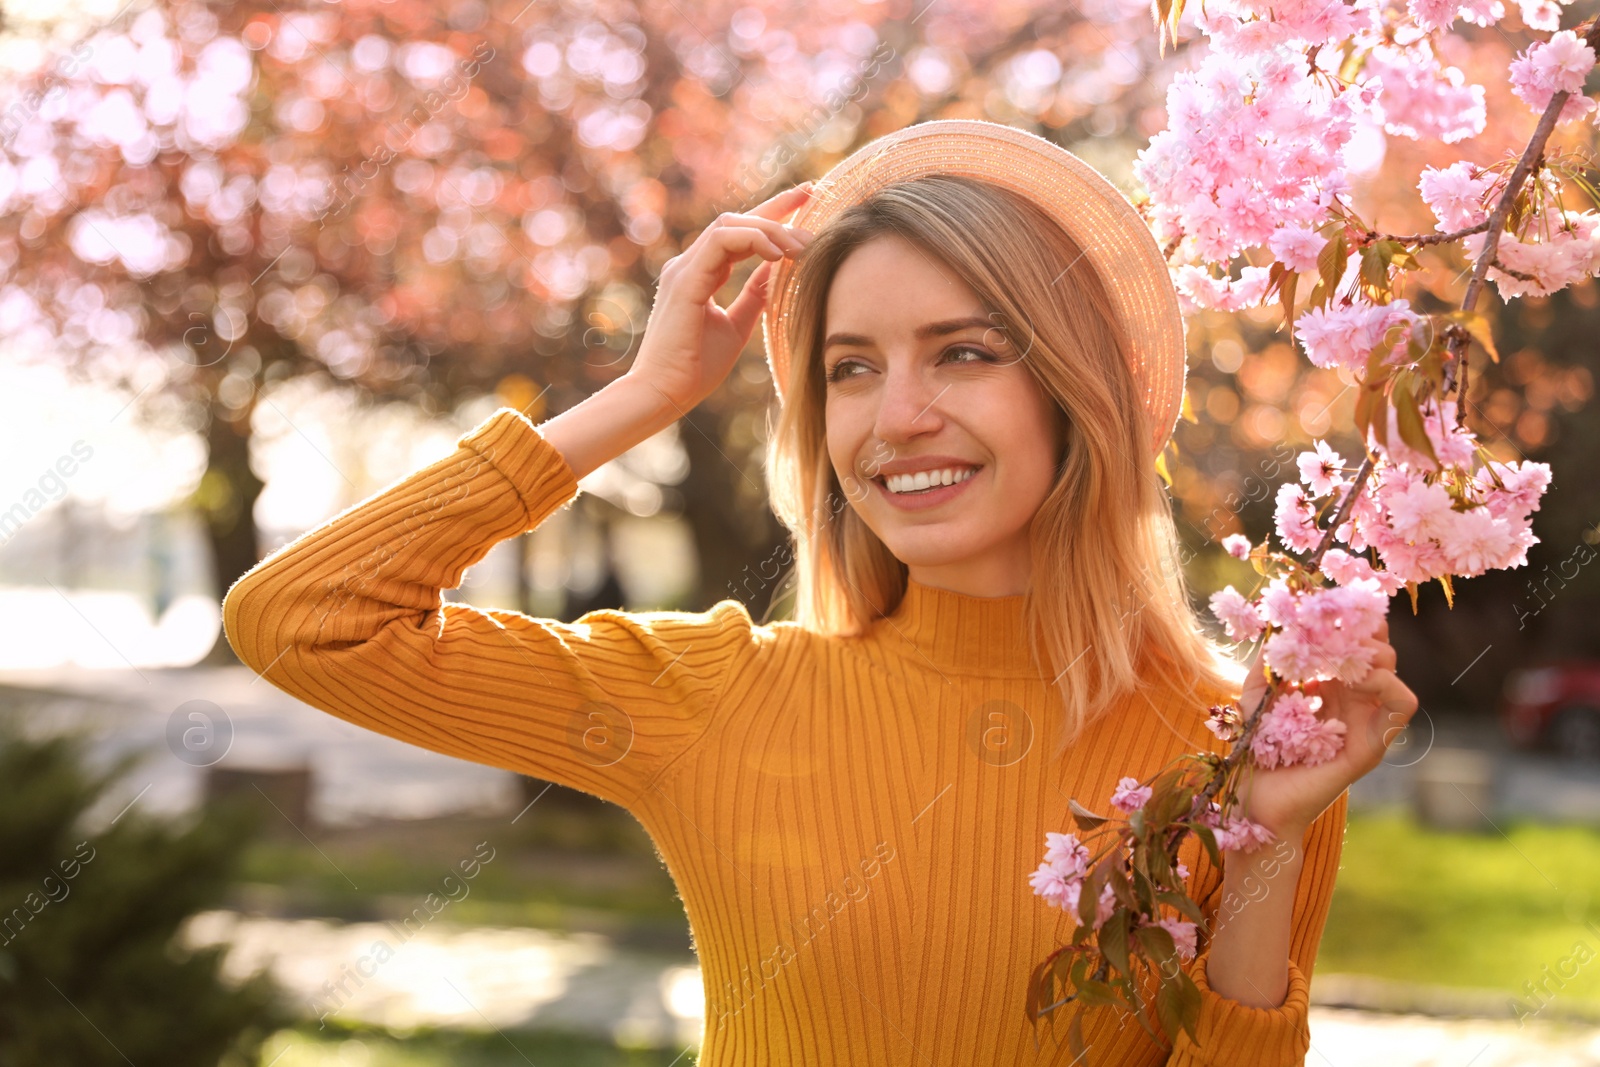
838	370
980	353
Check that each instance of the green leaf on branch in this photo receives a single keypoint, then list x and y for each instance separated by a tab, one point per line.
1113	941
1477	324
1089	896
1086	819
1178	1005
1157	943
1182	903
1209	840
1408	416
1098	994
1375	273
1331	261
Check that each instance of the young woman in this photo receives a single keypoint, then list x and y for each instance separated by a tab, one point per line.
851	801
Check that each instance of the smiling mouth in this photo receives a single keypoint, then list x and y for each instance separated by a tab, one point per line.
925	480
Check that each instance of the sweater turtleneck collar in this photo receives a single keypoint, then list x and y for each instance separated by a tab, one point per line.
959	633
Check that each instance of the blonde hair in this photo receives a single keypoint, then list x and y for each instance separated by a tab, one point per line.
1107	595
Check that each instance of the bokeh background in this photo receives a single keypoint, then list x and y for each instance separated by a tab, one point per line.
260	259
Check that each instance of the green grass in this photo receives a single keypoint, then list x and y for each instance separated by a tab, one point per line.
307	1047
546	872
1486	911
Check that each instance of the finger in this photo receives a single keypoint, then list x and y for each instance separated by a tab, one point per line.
784	235
752	298
785	202
710	260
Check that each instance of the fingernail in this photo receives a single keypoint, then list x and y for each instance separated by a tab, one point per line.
805	235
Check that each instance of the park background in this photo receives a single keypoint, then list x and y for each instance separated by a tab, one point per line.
261	259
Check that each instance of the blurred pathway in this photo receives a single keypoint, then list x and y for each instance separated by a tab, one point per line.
485	977
357	775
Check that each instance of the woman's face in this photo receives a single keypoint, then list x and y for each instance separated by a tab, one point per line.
920	379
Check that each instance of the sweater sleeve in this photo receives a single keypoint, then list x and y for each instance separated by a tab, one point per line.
350	618
1232	1034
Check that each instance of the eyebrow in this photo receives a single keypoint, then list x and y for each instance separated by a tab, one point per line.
927	329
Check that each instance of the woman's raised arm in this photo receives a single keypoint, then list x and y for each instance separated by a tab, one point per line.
350	618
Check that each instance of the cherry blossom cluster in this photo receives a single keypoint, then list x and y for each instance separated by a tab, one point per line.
1254	152
1423	520
1059	879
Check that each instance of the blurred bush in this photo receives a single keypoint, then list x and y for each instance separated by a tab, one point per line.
90	972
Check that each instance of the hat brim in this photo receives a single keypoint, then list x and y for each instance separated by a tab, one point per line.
1095	213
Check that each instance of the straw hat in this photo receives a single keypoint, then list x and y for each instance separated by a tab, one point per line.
1111	233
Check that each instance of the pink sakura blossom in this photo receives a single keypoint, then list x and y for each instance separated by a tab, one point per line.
1224	721
1237	834
1296	518
1480	541
1321	469
1247	27
1566	250
1183	936
1066	853
1237	615
1436	14
1337	337
1056	888
1548	67
1130	796
1252	147
1291	733
1242	835
1237	546
1297	247
1059	879
1322	633
1455	195
1198	288
1105	906
1417	509
1345	568
1525	482
1544	15
1420	97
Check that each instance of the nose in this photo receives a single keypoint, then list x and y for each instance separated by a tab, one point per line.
908	404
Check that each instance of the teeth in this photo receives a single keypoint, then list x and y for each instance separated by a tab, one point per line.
911	483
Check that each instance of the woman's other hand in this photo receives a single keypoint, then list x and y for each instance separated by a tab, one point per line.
690	343
1286	800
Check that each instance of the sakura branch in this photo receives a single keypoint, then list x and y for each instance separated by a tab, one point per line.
1252	159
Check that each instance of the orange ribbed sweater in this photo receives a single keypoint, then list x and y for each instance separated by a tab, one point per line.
851	822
